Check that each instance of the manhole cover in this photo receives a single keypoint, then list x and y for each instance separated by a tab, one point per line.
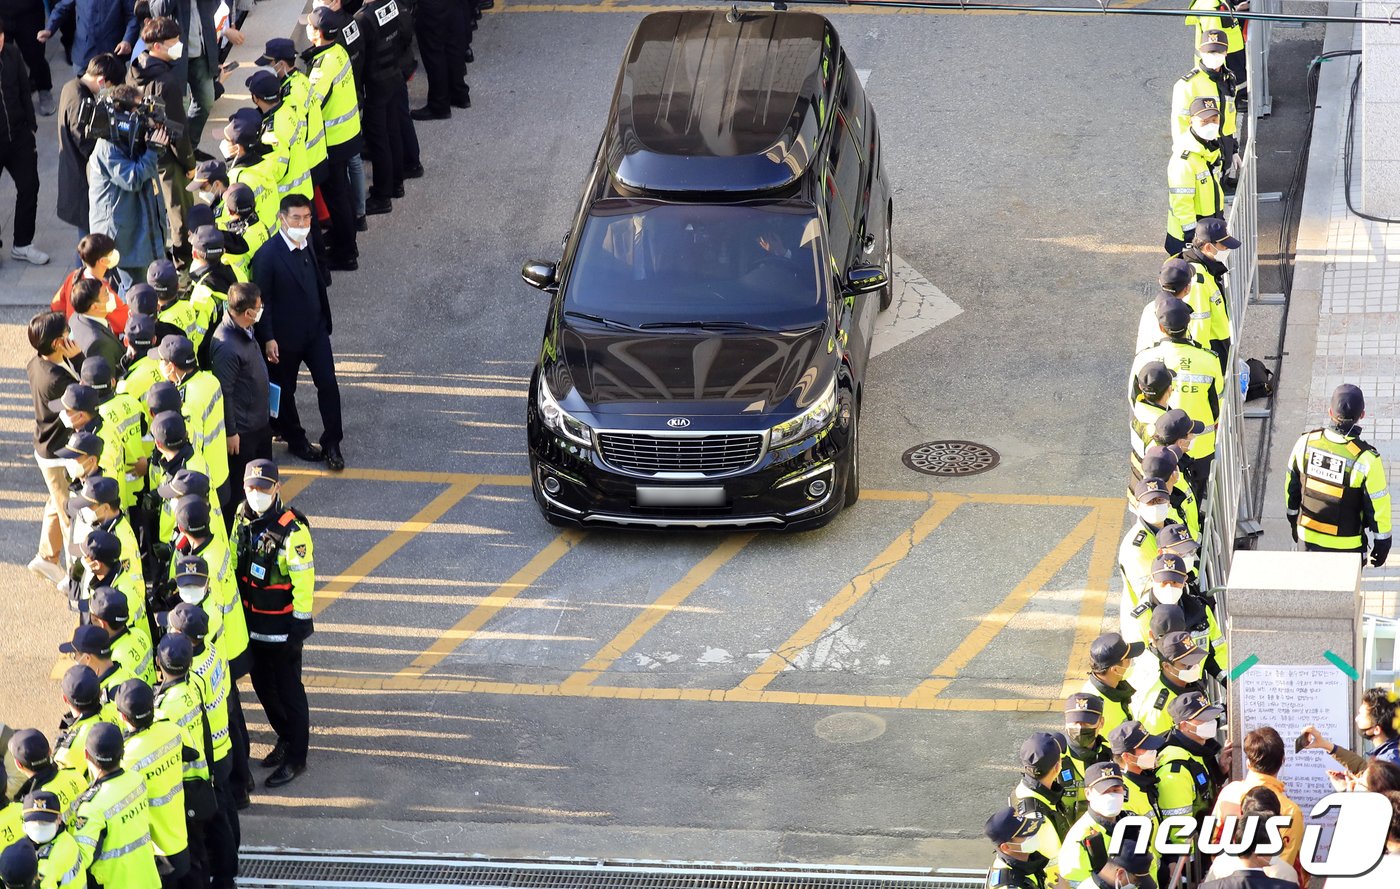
951	458
850	728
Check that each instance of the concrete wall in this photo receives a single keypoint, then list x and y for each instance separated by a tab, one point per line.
1377	149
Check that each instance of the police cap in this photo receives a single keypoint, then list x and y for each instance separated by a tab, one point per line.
1104	776
1347	402
192	515
1173	315
1214	230
1160	462
1083	707
103	546
19	865
243	126
185	483
178	350
209	241
1177	539
1040	754
110	605
212	170
96	373
175	653
261	474
1149	489
1180	649
98	489
164	396
104	744
1169	568
1176	275
1154	378
1139	864
200	215
168	429
1132	735
1167	619
140	330
163	276
278	49
136	701
263	84
144	300
1008	824
88	639
80	686
189	619
81	444
30	748
1214	40
1193	705
1204	107
240	199
1110	650
1175	425
77	397
191	571
325	20
42	806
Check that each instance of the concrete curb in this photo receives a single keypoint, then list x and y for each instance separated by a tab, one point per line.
1290	415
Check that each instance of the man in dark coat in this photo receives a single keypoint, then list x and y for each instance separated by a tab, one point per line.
18	154
74	143
103	26
89	323
23	20
242	373
296	330
200	61
155	73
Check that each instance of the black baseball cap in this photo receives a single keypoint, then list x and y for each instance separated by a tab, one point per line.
30	748
185	483
240	199
244	126
80	686
192	515
1193	705
1154	378
278	49
1204	106
110	605
1110	650
140	330
77	397
19	865
1104	776
209	241
98	489
1173	315
164	396
263	84
1040	754
1148	488
1169	568
162	274
1214	40
88	639
1174	425
191	571
178	350
261	474
1132	735
81	444
212	170
104	744
1177	539
1083	707
1160	462
185	618
42	806
1175	275
1180	649
169	431
175	653
104	546
1348	403
1139	864
144	300
199	215
96	373
1167	619
324	19
1214	230
135	700
1010	824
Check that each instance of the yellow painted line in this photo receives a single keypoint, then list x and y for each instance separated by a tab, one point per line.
670	599
467	627
378	554
1089	623
996	620
401	684
295	485
60	666
942	506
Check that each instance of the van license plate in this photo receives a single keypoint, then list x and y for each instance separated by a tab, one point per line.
652	496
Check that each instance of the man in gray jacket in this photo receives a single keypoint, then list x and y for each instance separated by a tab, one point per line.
242	372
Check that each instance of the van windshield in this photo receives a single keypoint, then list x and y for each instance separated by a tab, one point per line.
646	263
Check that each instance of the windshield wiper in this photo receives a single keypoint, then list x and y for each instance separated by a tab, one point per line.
598	319
705	325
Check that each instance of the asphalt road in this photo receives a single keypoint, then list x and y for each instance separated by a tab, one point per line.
482	683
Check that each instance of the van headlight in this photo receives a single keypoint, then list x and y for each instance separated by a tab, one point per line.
809	422
559	420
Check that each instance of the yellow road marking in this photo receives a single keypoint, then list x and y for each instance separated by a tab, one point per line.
379	553
672	597
293	486
851	593
1089	623
468	626
619	6
996	620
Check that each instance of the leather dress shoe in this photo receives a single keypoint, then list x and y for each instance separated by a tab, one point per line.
413	172
335	460
307	451
342	265
277	756
375	206
361	224
471	56
286	773
398	190
426	113
465	103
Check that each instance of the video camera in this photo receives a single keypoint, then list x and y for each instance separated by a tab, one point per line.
100	117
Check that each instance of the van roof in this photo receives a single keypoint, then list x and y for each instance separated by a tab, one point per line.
707	104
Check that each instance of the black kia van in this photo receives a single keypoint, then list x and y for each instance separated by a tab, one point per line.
709	326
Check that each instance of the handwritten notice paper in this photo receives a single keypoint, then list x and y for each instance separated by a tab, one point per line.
1289	698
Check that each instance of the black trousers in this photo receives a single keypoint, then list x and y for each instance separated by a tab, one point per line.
383	141
407	133
222	835
277	680
179	865
320	360
197	877
23	29
254	445
240	776
335	191
442	34
20	159
1197	474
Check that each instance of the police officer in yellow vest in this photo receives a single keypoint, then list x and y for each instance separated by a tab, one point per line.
60	862
1040	790
130	641
122	413
141	369
1210	323
99	508
92	646
209	665
210	279
101	565
1207	252
1086	746
82	694
79	405
1135	750
280	54
1193	175
1154	391
19	865
1017	835
1085	849
113	823
32	756
283	129
1210	78
1152	506
1180	668
1110	659
1222	18
277	580
1189	768
154	750
241	218
333	83
1124	868
1171	585
250	160
1336	489
1162	462
1200	383
203	408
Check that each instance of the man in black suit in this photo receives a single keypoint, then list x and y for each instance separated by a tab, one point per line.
89	323
296	330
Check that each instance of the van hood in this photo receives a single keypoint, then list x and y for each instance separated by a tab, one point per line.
733	373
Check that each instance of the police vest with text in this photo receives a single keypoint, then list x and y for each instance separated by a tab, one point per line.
266	587
1331	505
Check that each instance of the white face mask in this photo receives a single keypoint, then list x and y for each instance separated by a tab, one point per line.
260	501
1190	561
1207	731
208	197
73	468
1221	253
176	50
192	595
1031	844
1168	594
1153	513
298	234
1106	804
257	316
1208	131
310	33
1213	61
226	149
1147	760
65	419
40	832
87	516
1192	674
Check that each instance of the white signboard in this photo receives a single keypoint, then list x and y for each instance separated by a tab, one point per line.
1289	698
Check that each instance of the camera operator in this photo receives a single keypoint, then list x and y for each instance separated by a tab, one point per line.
18	154
124	199
75	141
157	75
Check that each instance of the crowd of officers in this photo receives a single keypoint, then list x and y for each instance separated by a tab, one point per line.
1142	736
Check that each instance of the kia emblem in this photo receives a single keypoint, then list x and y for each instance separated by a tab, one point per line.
678	422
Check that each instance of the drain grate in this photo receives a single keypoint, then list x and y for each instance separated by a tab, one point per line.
951	458
265	869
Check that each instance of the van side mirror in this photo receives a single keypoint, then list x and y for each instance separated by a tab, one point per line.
865	279
540	275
